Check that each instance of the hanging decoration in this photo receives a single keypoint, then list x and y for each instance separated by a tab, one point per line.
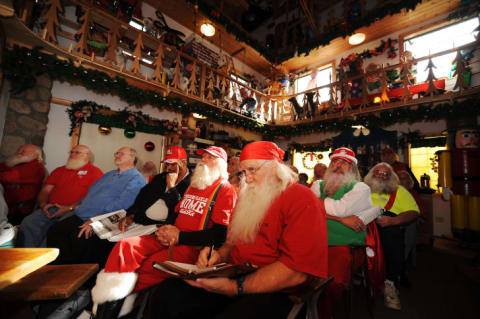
149	146
104	129
129	133
310	159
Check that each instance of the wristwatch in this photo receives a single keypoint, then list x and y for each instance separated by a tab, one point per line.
240	281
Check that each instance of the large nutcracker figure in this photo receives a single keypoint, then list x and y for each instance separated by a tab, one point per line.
459	176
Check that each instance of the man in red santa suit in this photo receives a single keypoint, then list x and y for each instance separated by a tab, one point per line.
203	215
22	175
278	225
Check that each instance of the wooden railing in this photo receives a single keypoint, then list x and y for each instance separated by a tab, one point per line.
172	72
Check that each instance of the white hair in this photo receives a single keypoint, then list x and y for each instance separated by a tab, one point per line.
381	186
254	201
203	176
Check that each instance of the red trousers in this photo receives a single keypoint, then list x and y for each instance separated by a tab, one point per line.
137	254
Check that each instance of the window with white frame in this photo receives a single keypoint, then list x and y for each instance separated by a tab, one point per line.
451	36
324	77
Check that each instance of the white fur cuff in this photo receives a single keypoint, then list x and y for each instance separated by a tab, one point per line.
111	286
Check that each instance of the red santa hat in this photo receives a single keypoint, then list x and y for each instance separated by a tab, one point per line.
174	154
214	151
262	150
345	154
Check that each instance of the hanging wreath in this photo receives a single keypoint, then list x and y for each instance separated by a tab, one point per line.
309	160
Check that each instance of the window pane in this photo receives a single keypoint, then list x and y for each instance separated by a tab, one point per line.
440	40
301	158
422	161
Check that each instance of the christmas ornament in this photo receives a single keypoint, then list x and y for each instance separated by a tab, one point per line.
104	129
129	133
149	146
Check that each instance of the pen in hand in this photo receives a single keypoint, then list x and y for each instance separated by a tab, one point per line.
210	254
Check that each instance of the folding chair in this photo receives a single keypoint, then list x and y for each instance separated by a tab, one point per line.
308	294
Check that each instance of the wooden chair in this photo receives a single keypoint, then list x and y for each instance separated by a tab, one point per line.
309	294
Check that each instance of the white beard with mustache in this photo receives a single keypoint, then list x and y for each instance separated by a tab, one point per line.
19	159
335	180
75	163
252	205
204	176
381	186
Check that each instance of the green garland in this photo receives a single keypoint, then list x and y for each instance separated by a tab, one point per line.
323	146
22	65
423	112
121	119
333	33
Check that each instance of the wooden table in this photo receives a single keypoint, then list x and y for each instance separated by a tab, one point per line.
16	263
49	283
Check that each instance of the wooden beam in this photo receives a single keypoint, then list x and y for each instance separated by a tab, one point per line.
237	52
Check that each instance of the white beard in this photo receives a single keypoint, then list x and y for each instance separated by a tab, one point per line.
380	186
204	176
19	159
73	163
335	180
252	206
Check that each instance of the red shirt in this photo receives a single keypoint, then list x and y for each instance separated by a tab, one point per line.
22	183
71	185
193	206
294	232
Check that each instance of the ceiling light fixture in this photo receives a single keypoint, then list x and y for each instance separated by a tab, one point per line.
356	39
207	29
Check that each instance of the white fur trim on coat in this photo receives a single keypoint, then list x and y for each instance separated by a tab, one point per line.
127	306
111	286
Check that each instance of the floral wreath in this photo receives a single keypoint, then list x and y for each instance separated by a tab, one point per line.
309	160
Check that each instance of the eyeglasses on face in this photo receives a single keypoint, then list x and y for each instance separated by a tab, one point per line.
252	170
75	152
381	173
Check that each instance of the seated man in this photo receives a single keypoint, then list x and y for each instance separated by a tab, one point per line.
149	170
318	172
203	215
400	209
349	209
157	200
272	227
22	176
65	186
116	190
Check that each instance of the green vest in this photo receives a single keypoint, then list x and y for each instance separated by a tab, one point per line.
339	234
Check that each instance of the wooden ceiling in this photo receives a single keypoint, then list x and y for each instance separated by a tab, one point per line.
183	13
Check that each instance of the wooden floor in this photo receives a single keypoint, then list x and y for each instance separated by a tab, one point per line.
439	289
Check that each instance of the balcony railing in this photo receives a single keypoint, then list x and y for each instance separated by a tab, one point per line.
164	68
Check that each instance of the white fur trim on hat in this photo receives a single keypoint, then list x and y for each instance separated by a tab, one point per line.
111	286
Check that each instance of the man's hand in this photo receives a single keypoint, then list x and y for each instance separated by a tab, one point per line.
45	208
172	179
86	229
168	235
125	222
61	211
203	260
385	221
353	222
220	285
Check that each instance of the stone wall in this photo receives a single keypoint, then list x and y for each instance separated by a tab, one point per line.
27	117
